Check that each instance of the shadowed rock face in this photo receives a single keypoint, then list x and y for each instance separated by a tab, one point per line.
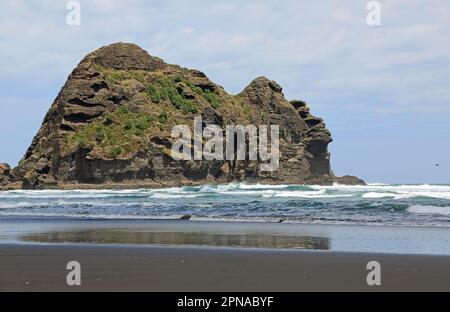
110	126
4	173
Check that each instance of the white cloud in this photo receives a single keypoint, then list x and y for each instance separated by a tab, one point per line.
374	84
312	47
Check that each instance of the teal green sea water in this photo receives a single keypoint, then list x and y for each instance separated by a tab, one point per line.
375	204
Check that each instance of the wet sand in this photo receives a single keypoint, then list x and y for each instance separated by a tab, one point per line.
133	268
219	256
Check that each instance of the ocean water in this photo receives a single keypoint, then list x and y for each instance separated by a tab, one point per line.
374	204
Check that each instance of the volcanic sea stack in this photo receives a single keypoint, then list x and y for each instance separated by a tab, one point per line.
110	126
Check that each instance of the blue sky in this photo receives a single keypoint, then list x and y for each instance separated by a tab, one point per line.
383	90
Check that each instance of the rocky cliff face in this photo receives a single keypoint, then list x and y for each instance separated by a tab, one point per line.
110	127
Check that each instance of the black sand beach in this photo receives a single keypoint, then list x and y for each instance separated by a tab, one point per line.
119	268
219	256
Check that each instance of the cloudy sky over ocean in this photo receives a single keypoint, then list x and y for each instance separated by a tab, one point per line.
383	90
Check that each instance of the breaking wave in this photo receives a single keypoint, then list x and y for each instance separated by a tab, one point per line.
377	203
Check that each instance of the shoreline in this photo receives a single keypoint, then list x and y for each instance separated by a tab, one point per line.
187	256
330	237
211	220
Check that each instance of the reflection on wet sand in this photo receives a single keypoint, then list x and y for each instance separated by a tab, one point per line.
182	238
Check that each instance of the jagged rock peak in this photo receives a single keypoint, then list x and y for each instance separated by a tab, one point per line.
264	83
125	56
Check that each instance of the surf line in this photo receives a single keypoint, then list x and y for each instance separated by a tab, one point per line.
209	143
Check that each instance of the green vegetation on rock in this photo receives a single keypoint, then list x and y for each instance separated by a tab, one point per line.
212	97
163	117
124	132
22	161
121	132
166	89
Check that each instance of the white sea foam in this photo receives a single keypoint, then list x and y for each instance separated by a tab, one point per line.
15	205
262	186
257	193
387	188
309	194
406	195
224	187
398	192
422	209
208	189
378	195
174	196
375	190
70	194
92	216
234	187
67	203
